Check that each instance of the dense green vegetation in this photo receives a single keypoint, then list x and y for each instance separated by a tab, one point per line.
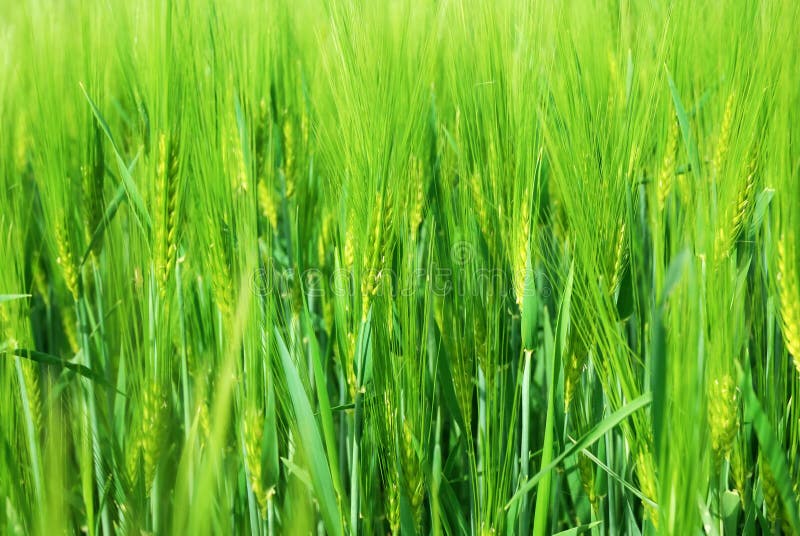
415	266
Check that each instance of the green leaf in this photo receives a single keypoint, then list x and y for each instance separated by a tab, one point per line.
108	215
11	297
674	274
130	186
683	121
658	374
325	413
625	294
590	438
311	443
763	200
49	359
731	506
543	496
579	530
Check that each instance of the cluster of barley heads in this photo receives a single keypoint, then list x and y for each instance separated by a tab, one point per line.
343	267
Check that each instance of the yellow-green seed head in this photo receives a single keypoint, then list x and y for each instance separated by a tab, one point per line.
723	415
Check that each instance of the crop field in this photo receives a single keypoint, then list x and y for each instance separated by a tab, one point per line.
436	267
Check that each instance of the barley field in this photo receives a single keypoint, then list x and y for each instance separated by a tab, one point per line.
355	267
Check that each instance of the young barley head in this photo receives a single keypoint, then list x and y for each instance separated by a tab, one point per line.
723	415
789	293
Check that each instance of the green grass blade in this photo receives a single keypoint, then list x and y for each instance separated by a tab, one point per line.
543	493
311	443
130	186
325	413
686	130
590	438
772	450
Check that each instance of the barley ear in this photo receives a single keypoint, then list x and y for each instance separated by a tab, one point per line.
417	200
620	259
152	406
253	433
166	222
578	355
789	293
724	137
769	490
521	249
723	415
586	472
667	172
645	471
413	474
66	257
288	157
268	204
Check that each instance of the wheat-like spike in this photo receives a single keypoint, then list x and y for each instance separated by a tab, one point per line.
481	206
31	378
586	472
574	367
253	432
667	173
304	129
393	508
40	283
738	470
221	274
390	469
203	423
724	137
288	157
152	406
380	246
69	323
620	259
463	364
446	157
772	499
412	473
262	131
386	230
645	471
324	238
133	454
267	203
267	197
418	192
368	277
572	378
22	143
789	293
66	258
736	216
522	248
723	415
348	255
744	199
166	223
